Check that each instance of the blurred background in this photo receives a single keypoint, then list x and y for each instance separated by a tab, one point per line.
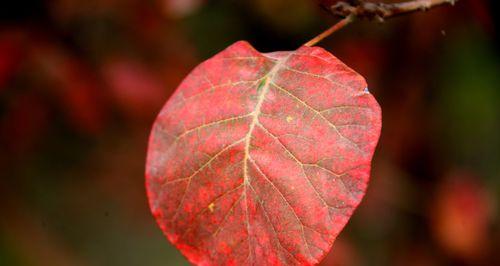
81	82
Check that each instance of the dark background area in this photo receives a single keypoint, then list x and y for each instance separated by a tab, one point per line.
82	81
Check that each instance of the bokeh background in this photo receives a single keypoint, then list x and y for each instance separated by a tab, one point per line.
82	80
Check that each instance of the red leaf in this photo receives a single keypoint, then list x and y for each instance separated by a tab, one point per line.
461	215
137	90
261	158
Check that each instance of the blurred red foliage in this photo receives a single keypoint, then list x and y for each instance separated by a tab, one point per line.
461	216
137	91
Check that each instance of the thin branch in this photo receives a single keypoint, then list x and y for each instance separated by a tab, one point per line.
382	11
360	9
339	25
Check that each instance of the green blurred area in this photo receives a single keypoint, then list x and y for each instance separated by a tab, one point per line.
82	81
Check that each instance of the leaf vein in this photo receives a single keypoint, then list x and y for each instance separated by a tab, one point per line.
189	178
272	225
320	115
300	163
205	125
223	221
288	203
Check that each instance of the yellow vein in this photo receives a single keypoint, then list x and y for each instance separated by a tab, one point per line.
223	221
259	200
289	205
189	178
316	76
207	207
319	114
337	176
205	125
300	163
346	107
264	88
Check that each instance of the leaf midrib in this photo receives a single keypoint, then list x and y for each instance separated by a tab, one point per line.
264	89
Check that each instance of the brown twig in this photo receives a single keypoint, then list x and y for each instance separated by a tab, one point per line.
339	25
360	9
382	11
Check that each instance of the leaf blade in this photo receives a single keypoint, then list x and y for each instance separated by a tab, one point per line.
261	158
